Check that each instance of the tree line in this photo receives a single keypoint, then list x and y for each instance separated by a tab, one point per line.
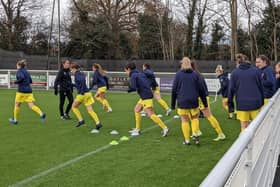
146	29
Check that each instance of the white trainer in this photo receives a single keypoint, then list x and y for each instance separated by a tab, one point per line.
132	130
94	131
159	115
110	110
186	142
176	117
168	112
135	133
220	137
165	132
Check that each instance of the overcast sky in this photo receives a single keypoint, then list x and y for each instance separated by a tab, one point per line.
65	5
64	8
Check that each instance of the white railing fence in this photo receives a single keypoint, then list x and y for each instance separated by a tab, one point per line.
252	159
43	79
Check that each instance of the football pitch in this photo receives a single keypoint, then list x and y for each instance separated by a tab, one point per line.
56	153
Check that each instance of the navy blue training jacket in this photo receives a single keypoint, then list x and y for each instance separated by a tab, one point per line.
80	83
268	81
187	88
139	82
63	80
23	80
151	77
204	85
224	82
98	79
246	86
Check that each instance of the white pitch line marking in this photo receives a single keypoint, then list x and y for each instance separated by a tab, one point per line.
72	161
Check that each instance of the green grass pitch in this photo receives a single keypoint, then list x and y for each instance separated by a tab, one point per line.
147	160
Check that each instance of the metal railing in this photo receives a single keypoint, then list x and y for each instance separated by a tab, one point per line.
252	160
44	79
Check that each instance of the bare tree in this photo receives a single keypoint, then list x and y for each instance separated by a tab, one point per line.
163	12
231	22
190	26
120	15
272	7
234	25
12	11
253	10
200	28
171	28
248	4
14	20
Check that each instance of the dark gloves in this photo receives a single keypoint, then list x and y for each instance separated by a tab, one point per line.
55	92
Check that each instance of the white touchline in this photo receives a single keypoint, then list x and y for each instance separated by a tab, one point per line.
72	161
46	172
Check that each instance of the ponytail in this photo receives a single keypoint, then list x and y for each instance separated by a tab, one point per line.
98	67
22	63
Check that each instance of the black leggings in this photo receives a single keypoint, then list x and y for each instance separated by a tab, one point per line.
62	96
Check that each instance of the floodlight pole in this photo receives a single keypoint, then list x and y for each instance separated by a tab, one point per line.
50	36
58	46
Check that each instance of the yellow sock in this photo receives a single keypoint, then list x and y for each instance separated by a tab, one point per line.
16	112
138	120
158	121
186	130
77	113
106	103
215	124
94	116
99	100
195	126
163	104
37	110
